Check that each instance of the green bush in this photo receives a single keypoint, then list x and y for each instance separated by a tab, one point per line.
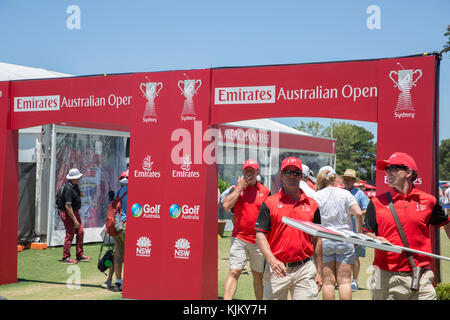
223	185
443	291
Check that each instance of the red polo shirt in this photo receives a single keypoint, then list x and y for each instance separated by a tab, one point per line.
416	211
287	243
246	211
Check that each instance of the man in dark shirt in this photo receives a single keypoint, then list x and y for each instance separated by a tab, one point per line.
288	251
71	217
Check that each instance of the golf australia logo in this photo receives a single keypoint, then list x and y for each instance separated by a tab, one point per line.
136	210
151	211
185	211
182	247
189	88
143	248
185	169
147	166
404	81
150	90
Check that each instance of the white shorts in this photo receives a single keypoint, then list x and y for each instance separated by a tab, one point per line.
241	251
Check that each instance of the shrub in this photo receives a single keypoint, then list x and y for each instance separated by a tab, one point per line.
223	185
443	291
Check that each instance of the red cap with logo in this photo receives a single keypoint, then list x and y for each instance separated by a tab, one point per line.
291	161
398	158
250	163
124	175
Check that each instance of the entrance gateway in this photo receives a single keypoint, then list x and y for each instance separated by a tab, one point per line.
173	254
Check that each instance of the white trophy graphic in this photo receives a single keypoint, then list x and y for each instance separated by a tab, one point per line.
150	90
189	90
405	83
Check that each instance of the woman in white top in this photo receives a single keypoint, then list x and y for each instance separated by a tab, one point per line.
336	207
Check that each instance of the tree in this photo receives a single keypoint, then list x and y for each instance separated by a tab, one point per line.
447	45
354	149
312	127
444	160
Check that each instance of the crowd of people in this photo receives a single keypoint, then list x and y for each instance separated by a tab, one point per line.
286	261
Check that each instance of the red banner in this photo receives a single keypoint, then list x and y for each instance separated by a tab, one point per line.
171	217
346	90
171	248
406	116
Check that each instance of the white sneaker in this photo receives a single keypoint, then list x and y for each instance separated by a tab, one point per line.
355	285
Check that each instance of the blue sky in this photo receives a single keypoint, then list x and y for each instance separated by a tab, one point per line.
137	36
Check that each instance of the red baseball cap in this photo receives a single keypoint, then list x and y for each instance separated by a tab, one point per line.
124	175
398	158
291	161
250	163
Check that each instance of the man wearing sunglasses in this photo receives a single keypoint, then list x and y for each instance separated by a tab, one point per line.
288	251
245	200
416	210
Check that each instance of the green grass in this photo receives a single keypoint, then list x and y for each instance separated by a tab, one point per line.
245	285
42	276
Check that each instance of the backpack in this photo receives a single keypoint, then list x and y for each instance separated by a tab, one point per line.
59	199
114	207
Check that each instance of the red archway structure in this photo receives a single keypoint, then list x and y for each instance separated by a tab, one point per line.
171	249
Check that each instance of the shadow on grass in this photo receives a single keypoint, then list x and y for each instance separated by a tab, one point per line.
54	282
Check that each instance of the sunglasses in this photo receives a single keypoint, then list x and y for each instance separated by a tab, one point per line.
395	168
296	173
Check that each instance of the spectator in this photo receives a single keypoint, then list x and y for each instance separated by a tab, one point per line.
70	216
288	251
416	210
349	184
304	182
447	197
336	208
245	200
119	240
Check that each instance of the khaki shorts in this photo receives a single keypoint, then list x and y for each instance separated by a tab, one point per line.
119	248
241	251
387	285
299	281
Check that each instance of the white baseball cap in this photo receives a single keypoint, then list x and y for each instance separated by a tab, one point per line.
74	173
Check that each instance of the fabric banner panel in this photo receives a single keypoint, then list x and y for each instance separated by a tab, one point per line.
345	90
406	116
170	219
102	99
101	159
26	206
8	181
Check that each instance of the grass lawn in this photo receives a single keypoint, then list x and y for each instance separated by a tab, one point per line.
41	275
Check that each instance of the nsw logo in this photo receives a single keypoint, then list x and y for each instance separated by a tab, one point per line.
143	248
182	249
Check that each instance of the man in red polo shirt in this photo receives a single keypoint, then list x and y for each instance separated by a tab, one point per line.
416	211
288	251
245	201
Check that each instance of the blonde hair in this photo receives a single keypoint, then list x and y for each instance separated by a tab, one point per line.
325	179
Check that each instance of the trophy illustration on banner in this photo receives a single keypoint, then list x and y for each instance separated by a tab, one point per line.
405	83
150	90
189	89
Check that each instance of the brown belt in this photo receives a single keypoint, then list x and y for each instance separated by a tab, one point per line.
297	263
